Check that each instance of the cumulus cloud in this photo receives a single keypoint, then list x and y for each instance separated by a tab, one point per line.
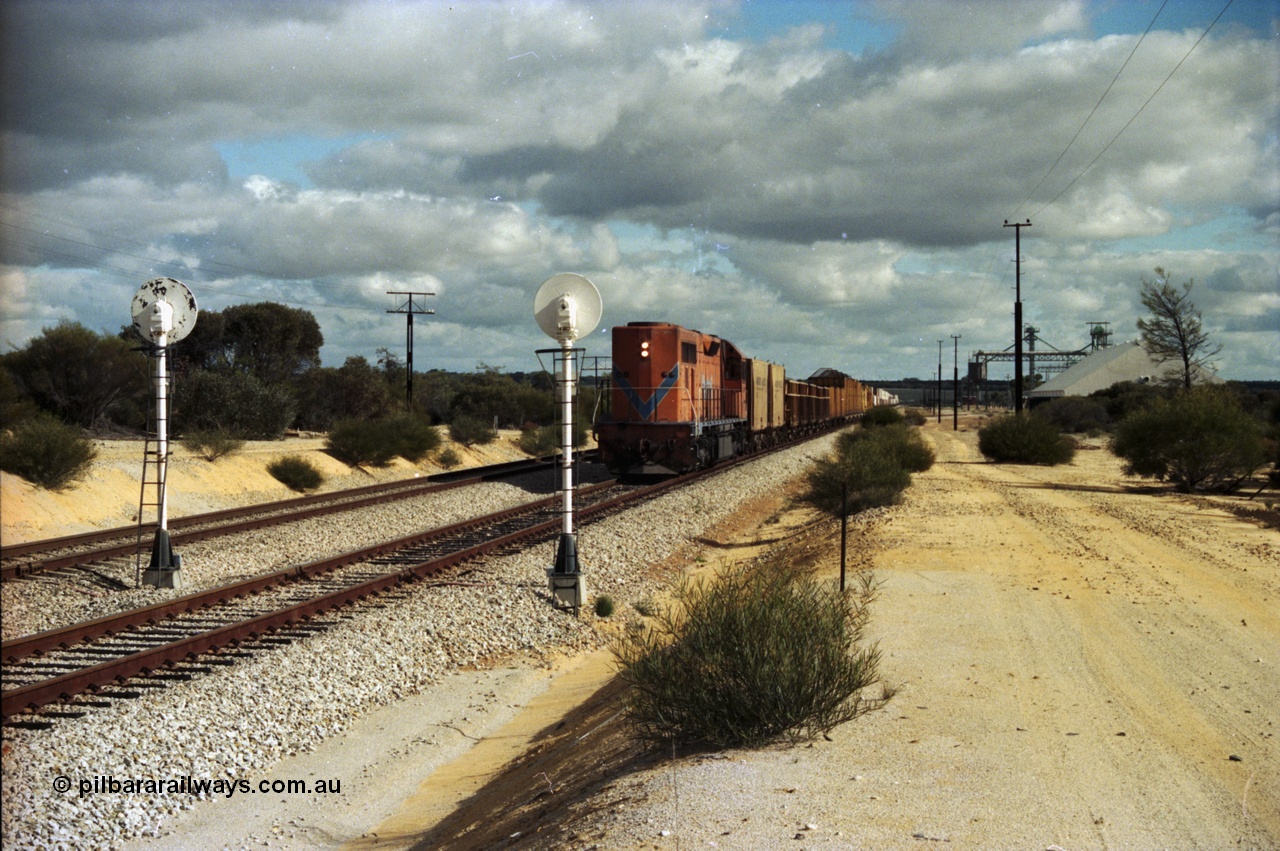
760	188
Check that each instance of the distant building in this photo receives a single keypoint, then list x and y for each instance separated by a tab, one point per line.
1105	367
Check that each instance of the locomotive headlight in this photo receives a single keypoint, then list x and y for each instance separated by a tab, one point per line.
644	349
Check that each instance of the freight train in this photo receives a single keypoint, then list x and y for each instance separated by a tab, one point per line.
682	400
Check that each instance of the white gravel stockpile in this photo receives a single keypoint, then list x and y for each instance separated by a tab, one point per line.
239	721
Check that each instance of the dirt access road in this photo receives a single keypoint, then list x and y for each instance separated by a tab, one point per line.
1081	662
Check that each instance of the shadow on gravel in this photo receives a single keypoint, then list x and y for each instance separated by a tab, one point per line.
1112	490
526	804
547	482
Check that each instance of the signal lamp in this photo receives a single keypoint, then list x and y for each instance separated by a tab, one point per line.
644	349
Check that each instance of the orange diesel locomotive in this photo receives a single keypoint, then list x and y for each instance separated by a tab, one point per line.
683	400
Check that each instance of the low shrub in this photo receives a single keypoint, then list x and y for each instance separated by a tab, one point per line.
539	441
448	458
863	474
882	415
296	473
359	442
751	657
376	442
46	452
470	431
915	416
1126	397
604	606
1074	414
1013	439
240	403
1201	438
901	441
212	444
413	437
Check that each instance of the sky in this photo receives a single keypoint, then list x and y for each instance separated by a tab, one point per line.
825	184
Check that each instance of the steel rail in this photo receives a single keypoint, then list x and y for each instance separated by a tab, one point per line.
327	503
66	686
16	649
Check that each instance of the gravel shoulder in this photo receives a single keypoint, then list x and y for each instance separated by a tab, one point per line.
1081	663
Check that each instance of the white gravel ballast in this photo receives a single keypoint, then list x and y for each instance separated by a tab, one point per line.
234	723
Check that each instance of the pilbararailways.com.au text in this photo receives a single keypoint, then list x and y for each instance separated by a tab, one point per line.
108	784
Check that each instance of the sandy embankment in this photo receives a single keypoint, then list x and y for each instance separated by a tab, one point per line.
108	497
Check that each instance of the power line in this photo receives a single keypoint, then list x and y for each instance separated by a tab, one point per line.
1094	110
1136	114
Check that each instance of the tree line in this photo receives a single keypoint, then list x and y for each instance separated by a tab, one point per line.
253	371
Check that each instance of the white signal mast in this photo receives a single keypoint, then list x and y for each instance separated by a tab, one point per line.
566	307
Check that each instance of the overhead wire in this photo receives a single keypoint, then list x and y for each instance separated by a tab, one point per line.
1092	112
1139	111
1118	133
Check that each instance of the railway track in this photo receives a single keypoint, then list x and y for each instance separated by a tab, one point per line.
121	655
91	548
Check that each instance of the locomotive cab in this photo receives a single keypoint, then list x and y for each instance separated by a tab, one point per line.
677	401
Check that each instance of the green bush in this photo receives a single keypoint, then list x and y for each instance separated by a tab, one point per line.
376	442
865	474
15	406
1012	439
751	657
296	473
448	459
882	415
1201	438
357	442
212	444
915	416
539	441
46	452
470	431
413	437
1074	414
238	403
1125	397
901	441
604	606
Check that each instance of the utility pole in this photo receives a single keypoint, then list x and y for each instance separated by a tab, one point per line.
414	304
955	384
1017	312
939	382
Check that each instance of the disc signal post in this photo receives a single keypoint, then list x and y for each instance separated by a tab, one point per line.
566	308
164	312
